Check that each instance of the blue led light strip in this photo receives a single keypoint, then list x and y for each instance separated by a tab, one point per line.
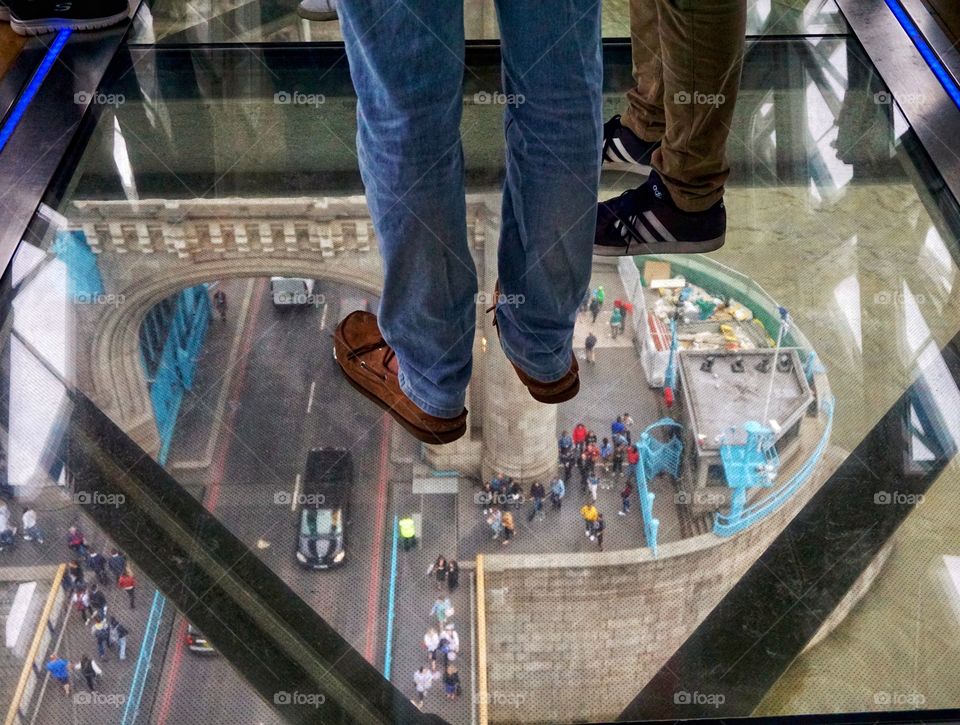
929	56
28	94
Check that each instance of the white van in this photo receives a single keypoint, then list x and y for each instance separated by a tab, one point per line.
291	291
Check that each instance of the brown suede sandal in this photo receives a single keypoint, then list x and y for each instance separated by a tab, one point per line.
365	359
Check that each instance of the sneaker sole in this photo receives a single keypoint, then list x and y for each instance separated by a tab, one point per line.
642	169
637	249
317	16
54	25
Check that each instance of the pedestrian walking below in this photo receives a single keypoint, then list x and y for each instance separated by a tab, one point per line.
595	305
616	323
431	640
407	529
59	669
453	575
117	564
451	682
537	493
625	498
439	569
593	483
76	542
90	671
98	601
423	681
558	490
598	527
633	458
442	609
590	514
508	527
579	436
129	585
101	634
31	530
118	637
97	563
496	522
590	345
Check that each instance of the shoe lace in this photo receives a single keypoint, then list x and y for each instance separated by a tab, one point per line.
371	347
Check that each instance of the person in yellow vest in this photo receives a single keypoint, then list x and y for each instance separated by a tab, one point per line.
408	532
590	516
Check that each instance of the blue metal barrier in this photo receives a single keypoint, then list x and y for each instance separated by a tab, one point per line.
726	525
656	457
171	338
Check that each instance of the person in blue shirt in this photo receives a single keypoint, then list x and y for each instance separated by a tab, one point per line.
565	443
557	491
59	670
618	427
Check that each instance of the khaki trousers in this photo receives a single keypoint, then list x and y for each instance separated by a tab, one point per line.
687	58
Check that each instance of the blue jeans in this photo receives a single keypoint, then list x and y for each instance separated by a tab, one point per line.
406	60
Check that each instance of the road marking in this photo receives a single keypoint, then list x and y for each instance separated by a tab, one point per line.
225	389
313	388
323	318
296	493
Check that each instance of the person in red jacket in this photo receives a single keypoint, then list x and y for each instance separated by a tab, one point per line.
579	435
633	458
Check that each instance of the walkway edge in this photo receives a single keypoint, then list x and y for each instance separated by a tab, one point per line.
481	694
31	657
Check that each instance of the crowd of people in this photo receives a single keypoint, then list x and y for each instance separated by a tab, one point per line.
88	577
595	462
441	642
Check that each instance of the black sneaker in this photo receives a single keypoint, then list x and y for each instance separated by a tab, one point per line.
623	150
33	17
646	221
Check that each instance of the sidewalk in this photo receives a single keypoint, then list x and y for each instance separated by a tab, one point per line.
615	384
114	688
416	592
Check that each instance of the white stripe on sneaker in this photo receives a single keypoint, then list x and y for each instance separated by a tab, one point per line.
658	226
624	154
637	224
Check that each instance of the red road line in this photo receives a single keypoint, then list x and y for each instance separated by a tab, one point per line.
236	385
213	493
174	671
373	595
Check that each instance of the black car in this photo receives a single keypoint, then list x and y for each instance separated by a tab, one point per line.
322	508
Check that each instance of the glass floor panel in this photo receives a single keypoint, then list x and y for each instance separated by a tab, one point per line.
257	21
231	170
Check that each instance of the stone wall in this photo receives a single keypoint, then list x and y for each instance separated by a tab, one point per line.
575	637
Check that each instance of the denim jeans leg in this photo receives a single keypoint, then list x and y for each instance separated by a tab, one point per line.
406	61
552	77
